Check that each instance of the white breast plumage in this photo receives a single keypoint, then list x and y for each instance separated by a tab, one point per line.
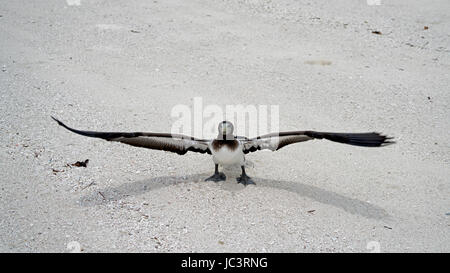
226	156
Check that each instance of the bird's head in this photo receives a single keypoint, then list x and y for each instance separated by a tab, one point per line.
226	129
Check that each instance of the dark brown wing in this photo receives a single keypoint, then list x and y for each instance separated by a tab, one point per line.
175	143
272	142
276	141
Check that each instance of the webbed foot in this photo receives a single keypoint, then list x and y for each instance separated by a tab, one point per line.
217	177
245	180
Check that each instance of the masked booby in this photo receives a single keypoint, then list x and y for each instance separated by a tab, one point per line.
228	149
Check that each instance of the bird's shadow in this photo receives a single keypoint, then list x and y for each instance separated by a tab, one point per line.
348	204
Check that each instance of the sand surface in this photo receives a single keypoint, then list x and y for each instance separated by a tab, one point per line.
123	65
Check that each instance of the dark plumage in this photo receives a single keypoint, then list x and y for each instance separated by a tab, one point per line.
357	139
217	144
176	143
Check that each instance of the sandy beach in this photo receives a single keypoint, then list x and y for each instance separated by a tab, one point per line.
337	66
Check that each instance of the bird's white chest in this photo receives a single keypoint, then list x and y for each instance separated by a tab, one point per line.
227	156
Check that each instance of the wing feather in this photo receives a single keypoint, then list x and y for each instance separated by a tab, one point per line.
175	143
272	143
276	141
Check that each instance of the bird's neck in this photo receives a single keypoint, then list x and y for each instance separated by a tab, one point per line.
225	137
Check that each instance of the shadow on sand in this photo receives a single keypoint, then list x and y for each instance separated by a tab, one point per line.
350	205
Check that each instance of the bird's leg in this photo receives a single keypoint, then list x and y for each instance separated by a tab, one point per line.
244	179
217	176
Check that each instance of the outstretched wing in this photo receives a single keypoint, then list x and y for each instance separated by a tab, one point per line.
175	143
276	141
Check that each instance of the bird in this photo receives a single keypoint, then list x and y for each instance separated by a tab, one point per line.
227	148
